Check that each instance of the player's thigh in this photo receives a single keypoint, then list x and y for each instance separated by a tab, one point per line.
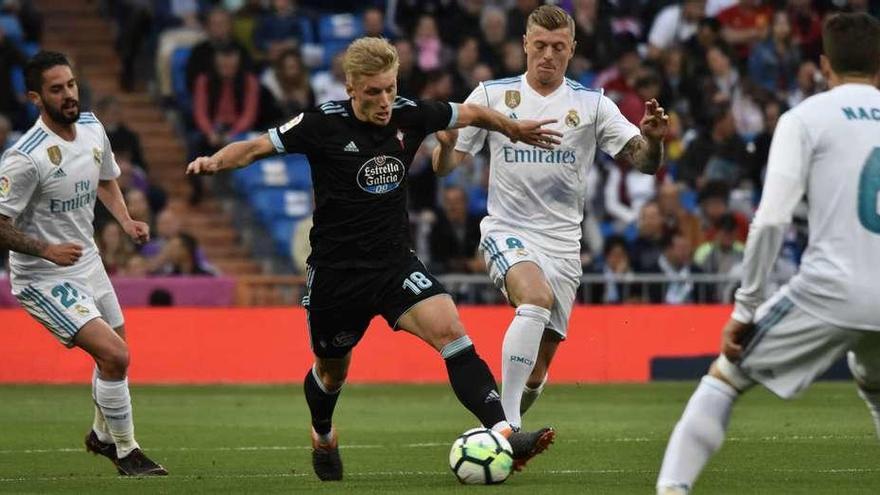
864	361
789	348
62	306
564	277
106	300
337	310
514	267
415	301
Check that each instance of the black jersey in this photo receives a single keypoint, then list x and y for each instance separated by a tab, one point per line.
359	174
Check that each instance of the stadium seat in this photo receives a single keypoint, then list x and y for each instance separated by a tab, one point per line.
16	76
281	231
339	27
270	203
307	32
291	171
12	28
179	59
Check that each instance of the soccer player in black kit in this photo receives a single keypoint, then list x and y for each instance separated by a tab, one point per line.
362	263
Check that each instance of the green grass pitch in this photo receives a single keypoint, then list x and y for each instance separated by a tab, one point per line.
239	439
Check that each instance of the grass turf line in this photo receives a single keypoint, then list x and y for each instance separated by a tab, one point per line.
235	439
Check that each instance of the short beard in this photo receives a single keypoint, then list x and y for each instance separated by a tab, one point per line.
59	117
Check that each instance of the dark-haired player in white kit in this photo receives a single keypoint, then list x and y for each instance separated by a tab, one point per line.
49	183
827	147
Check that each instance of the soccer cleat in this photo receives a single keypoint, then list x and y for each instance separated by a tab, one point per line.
325	457
528	444
136	463
98	447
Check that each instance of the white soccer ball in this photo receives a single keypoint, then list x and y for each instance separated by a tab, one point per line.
481	457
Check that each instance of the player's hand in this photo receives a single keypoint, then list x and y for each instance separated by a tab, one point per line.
655	122
203	165
732	338
534	133
65	254
447	138
138	231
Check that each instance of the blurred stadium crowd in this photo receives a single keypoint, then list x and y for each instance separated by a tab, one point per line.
723	69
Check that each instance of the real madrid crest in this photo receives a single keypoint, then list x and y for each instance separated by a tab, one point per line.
511	98
54	153
98	155
572	119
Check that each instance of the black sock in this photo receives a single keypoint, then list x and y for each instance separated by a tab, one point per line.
475	386
321	404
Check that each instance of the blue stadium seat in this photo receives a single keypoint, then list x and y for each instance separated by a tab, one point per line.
299	173
278	202
29	48
339	27
282	234
178	77
17	78
291	171
307	31
329	49
12	28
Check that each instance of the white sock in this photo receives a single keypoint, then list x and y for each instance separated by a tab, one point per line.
872	399
518	355
99	425
115	402
698	434
530	395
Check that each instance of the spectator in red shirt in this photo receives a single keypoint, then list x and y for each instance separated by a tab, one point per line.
226	103
745	24
714	204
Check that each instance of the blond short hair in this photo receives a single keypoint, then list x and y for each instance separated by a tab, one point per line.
369	56
551	18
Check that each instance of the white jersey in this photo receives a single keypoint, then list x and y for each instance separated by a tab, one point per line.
49	186
829	148
540	194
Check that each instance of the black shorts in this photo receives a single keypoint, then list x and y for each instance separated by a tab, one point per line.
341	302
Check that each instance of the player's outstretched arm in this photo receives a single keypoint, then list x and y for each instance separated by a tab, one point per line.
233	155
13	239
528	131
110	194
445	157
645	152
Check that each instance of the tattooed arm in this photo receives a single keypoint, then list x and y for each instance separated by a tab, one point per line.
14	240
645	152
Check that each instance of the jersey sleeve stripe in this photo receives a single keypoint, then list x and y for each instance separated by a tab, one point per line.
276	140
453	120
30	139
32	146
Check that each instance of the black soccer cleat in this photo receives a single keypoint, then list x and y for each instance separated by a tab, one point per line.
98	447
528	444
325	457
136	463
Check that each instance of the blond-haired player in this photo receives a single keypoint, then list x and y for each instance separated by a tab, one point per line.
362	263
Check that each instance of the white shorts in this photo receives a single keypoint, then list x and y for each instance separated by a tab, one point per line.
503	249
65	305
790	348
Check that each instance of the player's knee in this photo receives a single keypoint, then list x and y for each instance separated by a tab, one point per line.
730	374
866	373
114	362
445	333
538	296
332	377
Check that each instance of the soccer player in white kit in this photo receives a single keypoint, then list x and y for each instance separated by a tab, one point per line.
531	237
49	182
829	148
